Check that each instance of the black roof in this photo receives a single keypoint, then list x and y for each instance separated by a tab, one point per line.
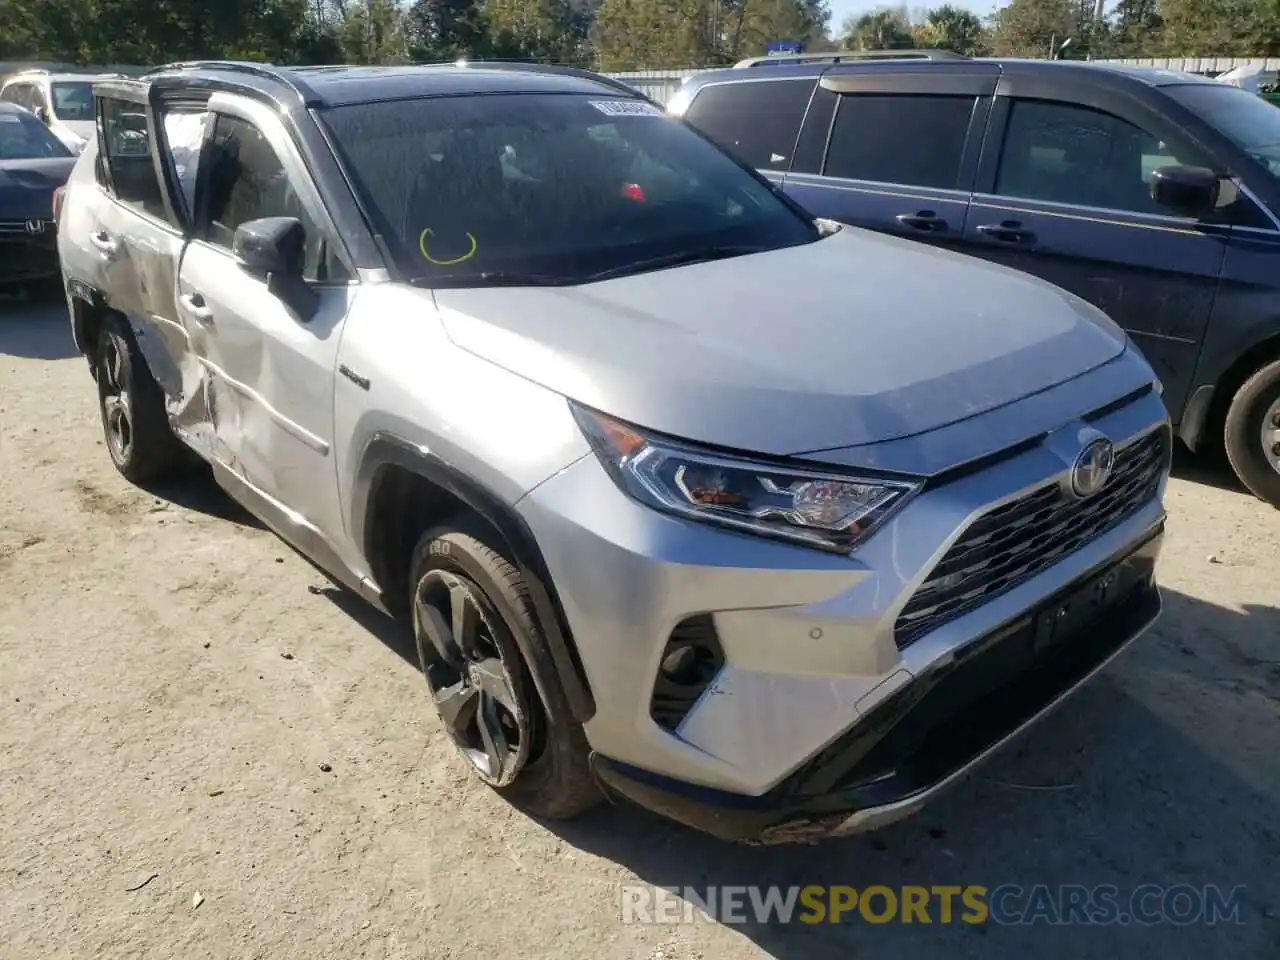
340	85
1148	76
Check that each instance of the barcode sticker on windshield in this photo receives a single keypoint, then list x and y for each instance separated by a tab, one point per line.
626	108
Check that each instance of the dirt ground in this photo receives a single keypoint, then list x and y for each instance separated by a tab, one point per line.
183	700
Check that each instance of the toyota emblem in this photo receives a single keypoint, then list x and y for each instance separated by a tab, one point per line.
35	227
1092	468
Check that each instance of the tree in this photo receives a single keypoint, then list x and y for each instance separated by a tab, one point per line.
1031	28
373	31
952	28
888	28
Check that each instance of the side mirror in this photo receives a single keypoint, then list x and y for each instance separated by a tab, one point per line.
275	249
42	115
1190	191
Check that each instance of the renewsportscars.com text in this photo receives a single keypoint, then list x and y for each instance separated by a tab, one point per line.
1007	904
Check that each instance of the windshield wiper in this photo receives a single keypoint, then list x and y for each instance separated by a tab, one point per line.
700	255
493	278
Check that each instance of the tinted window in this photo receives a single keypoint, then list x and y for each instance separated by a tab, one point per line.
1244	118
247	182
128	157
23	137
899	138
757	122
562	186
72	100
1069	154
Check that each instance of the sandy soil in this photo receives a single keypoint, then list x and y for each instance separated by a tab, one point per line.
175	683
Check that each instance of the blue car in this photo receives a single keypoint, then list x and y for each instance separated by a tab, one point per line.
1152	194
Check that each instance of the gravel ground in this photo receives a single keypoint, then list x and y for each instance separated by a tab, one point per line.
183	700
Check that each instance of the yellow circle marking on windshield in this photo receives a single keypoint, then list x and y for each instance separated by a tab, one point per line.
422	246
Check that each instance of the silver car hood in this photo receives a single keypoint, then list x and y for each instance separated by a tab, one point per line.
855	339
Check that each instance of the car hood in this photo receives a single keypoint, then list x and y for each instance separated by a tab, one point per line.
26	186
854	339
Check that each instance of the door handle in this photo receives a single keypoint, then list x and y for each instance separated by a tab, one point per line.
925	221
104	243
1007	231
194	304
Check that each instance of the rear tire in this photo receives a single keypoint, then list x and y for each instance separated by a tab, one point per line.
1252	433
131	403
481	685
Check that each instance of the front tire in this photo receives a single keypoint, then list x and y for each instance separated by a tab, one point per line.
469	605
1252	433
131	403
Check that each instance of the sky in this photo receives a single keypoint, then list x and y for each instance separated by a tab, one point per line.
842	8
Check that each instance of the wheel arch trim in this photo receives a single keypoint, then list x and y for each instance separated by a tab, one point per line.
559	661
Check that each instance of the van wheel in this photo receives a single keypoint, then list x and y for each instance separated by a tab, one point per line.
131	403
469	604
1252	433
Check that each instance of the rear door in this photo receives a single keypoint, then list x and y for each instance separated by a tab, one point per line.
1064	193
136	233
895	150
757	120
270	373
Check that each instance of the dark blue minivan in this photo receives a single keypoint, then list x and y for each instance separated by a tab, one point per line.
1154	195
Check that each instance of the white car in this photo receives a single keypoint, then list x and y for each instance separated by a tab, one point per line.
62	101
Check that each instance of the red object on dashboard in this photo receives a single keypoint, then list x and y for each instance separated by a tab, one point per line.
632	191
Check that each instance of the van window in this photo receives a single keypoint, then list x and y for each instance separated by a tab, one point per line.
1071	154
757	121
910	139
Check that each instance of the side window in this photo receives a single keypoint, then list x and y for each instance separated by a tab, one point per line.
757	121
10	93
1065	153
246	181
184	137
127	146
910	139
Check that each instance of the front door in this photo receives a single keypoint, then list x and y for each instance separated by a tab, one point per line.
1068	198
270	373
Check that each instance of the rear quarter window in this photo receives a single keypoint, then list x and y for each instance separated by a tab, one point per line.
757	121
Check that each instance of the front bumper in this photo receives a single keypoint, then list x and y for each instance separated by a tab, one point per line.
934	730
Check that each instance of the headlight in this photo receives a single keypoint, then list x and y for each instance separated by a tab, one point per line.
826	510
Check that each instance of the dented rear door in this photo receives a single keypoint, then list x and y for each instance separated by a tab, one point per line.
138	234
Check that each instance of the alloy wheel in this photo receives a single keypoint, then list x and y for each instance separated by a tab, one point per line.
1271	436
464	647
117	406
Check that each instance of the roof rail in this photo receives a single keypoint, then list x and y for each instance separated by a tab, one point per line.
263	70
840	56
522	66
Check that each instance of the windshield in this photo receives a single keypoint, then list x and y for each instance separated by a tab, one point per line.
1244	118
23	137
550	188
72	100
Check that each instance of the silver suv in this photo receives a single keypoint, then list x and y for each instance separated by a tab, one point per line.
62	101
771	525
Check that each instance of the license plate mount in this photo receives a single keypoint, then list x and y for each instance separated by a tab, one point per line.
1070	613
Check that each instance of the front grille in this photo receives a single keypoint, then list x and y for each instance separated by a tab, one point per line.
28	257
1016	541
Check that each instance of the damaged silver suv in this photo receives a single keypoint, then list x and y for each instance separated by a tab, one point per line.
771	525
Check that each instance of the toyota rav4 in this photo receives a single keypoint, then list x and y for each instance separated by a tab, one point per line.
771	525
